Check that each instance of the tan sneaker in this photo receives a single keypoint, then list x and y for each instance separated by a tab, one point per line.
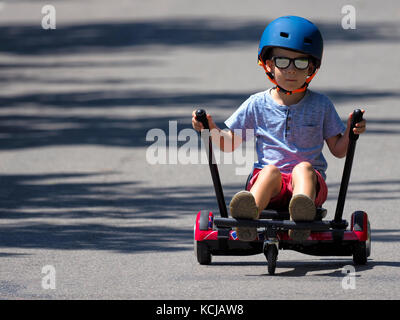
243	206
301	208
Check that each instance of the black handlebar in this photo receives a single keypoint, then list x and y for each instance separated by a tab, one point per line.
357	116
201	116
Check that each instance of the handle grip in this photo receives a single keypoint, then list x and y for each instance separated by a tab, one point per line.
201	116
356	117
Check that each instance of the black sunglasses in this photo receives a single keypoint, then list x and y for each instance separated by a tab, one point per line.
284	62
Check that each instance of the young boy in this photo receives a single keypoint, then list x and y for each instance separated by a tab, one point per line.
290	123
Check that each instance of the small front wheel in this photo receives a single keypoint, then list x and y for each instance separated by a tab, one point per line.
271	253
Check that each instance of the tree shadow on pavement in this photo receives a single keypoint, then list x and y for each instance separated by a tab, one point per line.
368	190
28	131
92	236
119	216
50	211
385	235
212	33
55	196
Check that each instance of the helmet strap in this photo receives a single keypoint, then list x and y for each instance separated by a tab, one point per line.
279	88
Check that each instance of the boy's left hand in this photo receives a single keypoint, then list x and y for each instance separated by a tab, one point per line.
360	126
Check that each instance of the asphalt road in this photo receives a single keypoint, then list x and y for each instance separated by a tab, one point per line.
78	191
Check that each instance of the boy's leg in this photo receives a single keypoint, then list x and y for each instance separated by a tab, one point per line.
304	180
248	205
267	186
302	206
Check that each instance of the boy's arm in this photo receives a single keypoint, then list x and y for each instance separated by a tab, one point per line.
338	144
226	140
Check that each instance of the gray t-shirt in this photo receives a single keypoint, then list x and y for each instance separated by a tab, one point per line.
288	135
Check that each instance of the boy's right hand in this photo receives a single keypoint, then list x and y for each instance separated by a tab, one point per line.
198	126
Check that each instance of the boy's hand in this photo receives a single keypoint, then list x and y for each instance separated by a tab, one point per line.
360	126
198	126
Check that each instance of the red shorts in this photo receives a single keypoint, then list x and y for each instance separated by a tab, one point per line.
281	201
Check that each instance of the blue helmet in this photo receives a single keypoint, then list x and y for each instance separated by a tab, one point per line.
294	33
